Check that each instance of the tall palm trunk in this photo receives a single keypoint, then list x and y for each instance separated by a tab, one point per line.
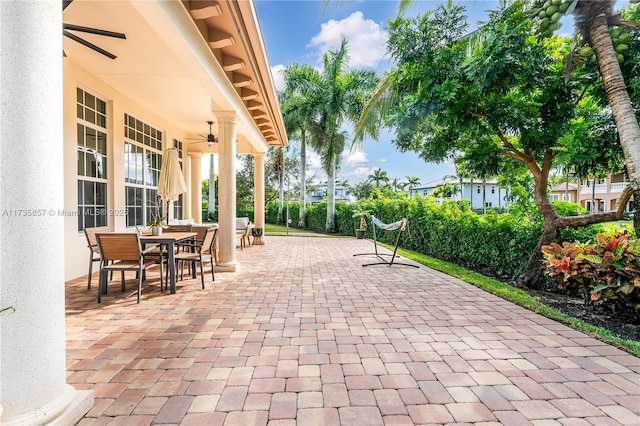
331	198
617	95
303	179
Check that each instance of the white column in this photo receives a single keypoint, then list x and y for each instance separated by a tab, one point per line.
196	186
258	196
227	192
33	387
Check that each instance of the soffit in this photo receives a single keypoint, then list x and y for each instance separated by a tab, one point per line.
171	83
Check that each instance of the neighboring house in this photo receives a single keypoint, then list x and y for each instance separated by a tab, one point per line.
342	193
86	119
564	191
472	190
599	195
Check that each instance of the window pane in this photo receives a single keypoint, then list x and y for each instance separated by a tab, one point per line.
80	111
101	106
81	171
79	95
101	194
101	121
91	138
89	195
89	115
80	191
90	101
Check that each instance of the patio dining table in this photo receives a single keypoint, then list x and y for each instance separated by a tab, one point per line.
169	239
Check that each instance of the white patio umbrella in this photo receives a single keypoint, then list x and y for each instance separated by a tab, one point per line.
171	183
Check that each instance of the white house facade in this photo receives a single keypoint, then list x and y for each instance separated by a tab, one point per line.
487	194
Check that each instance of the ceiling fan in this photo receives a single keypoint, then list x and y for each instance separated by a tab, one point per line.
210	139
66	28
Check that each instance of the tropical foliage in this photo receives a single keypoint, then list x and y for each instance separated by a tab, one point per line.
606	272
494	100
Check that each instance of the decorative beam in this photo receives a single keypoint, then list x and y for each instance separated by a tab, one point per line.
241	80
231	63
253	105
205	9
247	94
219	39
258	113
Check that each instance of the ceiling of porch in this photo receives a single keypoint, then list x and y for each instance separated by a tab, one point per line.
167	61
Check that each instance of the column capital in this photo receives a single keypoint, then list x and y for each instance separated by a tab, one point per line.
226	116
259	154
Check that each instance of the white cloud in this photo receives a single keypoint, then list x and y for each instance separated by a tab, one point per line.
361	172
355	158
278	76
367	40
314	162
383	160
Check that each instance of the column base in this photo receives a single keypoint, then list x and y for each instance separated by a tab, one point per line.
258	241
227	267
66	410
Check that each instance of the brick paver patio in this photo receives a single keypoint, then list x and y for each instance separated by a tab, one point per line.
304	335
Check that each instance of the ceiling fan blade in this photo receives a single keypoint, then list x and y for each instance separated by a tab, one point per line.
65	3
88	44
96	31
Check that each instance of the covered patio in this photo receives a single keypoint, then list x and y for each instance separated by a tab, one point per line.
303	334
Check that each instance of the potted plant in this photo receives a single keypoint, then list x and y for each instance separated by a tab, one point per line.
361	213
156	219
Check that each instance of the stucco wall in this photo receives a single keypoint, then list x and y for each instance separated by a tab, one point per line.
76	251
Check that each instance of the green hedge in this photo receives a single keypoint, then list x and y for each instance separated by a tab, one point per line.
497	245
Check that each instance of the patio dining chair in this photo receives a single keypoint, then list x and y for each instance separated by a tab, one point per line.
122	251
178	228
201	252
92	244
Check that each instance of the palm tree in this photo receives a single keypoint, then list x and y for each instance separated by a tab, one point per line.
378	176
297	112
397	185
335	95
412	182
278	168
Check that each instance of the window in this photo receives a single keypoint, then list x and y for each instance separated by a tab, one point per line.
493	189
566	197
588	206
553	197
91	114
601	207
478	189
142	162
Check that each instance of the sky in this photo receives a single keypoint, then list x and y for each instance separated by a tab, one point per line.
301	31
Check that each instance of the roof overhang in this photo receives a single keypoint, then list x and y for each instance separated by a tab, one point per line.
184	61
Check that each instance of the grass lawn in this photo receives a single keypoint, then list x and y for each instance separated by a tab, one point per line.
270	227
519	297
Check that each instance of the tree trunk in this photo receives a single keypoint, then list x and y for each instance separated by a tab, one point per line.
281	195
331	197
532	276
617	94
303	179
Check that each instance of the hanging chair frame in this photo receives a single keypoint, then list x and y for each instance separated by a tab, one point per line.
384	261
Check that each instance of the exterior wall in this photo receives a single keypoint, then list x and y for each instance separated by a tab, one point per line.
494	199
76	252
606	194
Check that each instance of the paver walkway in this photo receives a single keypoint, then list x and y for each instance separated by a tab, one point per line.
303	334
